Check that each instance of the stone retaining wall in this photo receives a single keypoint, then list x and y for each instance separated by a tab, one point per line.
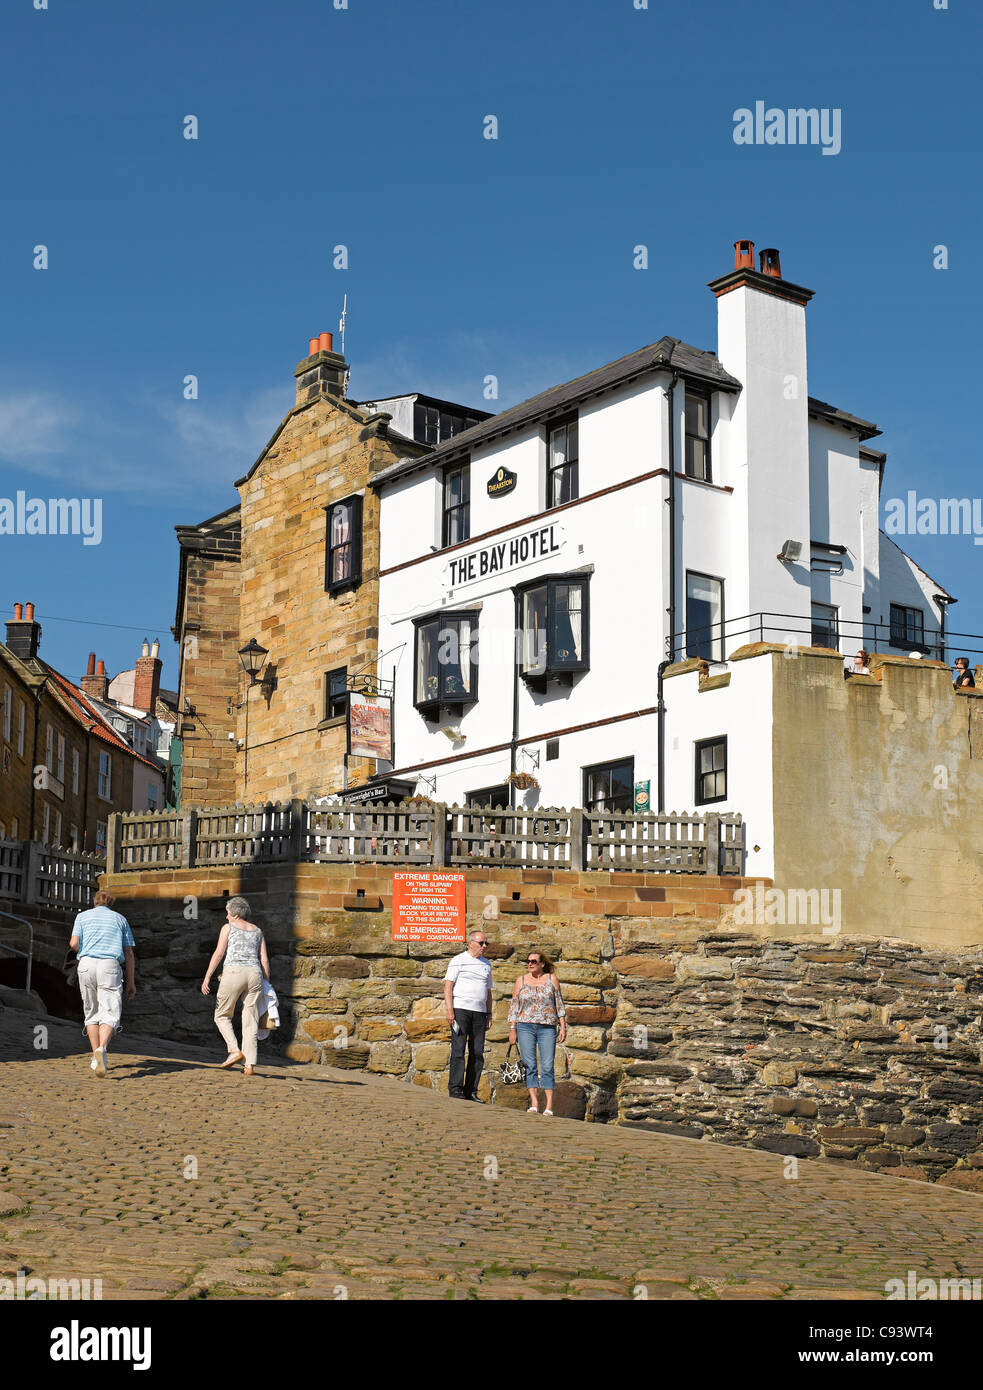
851	1049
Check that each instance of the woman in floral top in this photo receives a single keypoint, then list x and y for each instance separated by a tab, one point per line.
536	1014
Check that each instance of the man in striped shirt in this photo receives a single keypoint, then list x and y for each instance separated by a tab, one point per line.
104	943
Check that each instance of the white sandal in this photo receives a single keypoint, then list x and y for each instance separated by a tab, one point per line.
533	1110
547	1112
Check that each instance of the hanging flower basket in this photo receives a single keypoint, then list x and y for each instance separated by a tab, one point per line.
523	780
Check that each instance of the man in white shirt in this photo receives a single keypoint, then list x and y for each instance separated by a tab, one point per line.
468	1008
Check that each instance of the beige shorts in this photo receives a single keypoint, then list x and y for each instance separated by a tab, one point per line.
101	984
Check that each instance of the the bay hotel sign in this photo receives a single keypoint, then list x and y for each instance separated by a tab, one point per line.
500	556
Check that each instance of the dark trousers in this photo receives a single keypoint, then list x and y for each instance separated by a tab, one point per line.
463	1080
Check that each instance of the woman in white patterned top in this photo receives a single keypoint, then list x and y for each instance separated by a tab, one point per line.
536	1014
246	963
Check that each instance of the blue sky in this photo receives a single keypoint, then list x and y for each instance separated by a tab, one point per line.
317	126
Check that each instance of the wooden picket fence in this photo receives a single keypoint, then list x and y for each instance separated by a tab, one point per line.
47	877
428	834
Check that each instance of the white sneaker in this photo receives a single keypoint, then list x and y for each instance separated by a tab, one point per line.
99	1061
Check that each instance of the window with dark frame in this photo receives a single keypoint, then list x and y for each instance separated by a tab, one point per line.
491	796
825	626
610	786
554	616
704	616
343	548
336	693
563	484
711	770
445	662
456	525
697	463
907	626
432	425
105	786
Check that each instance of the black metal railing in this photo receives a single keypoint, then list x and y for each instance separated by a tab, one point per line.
717	641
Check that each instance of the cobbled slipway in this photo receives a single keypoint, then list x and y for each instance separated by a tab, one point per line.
172	1179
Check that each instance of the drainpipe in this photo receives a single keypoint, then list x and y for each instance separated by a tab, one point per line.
671	642
34	753
662	739
513	747
671	645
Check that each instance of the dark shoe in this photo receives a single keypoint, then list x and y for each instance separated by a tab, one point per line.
477	1099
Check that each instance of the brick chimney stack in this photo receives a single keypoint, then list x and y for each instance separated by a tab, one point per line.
146	678
23	633
95	682
322	372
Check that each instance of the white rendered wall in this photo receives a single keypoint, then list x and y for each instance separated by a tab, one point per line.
836	491
741	711
902	581
762	342
619	536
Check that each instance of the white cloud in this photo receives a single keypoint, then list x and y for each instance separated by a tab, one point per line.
32	426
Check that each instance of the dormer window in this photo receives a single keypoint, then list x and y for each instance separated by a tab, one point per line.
343	548
555	639
446	662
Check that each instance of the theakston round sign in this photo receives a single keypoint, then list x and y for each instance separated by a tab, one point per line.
503	482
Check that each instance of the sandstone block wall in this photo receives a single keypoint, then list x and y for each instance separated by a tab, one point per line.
858	1051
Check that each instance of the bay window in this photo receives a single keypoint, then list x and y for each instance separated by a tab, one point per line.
553	616
445	662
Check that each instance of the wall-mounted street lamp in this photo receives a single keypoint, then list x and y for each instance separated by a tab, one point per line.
252	656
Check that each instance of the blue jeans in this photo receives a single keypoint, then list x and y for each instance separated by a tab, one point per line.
543	1035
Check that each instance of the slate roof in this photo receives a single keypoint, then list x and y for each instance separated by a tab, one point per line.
88	716
865	428
668	353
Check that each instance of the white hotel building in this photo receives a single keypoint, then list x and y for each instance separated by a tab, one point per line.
675	503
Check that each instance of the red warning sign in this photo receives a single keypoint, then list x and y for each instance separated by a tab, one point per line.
428	905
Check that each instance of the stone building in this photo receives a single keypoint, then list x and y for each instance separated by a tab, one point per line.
47	723
293	566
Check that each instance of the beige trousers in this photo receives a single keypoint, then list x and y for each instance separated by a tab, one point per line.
246	983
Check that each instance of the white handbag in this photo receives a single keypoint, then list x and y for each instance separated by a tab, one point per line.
513	1072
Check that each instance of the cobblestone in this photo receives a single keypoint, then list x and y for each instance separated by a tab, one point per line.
172	1179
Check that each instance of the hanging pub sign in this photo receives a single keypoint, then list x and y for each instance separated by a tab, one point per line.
370	726
643	798
503	482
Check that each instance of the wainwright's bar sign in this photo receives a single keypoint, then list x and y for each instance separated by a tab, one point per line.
428	905
505	555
